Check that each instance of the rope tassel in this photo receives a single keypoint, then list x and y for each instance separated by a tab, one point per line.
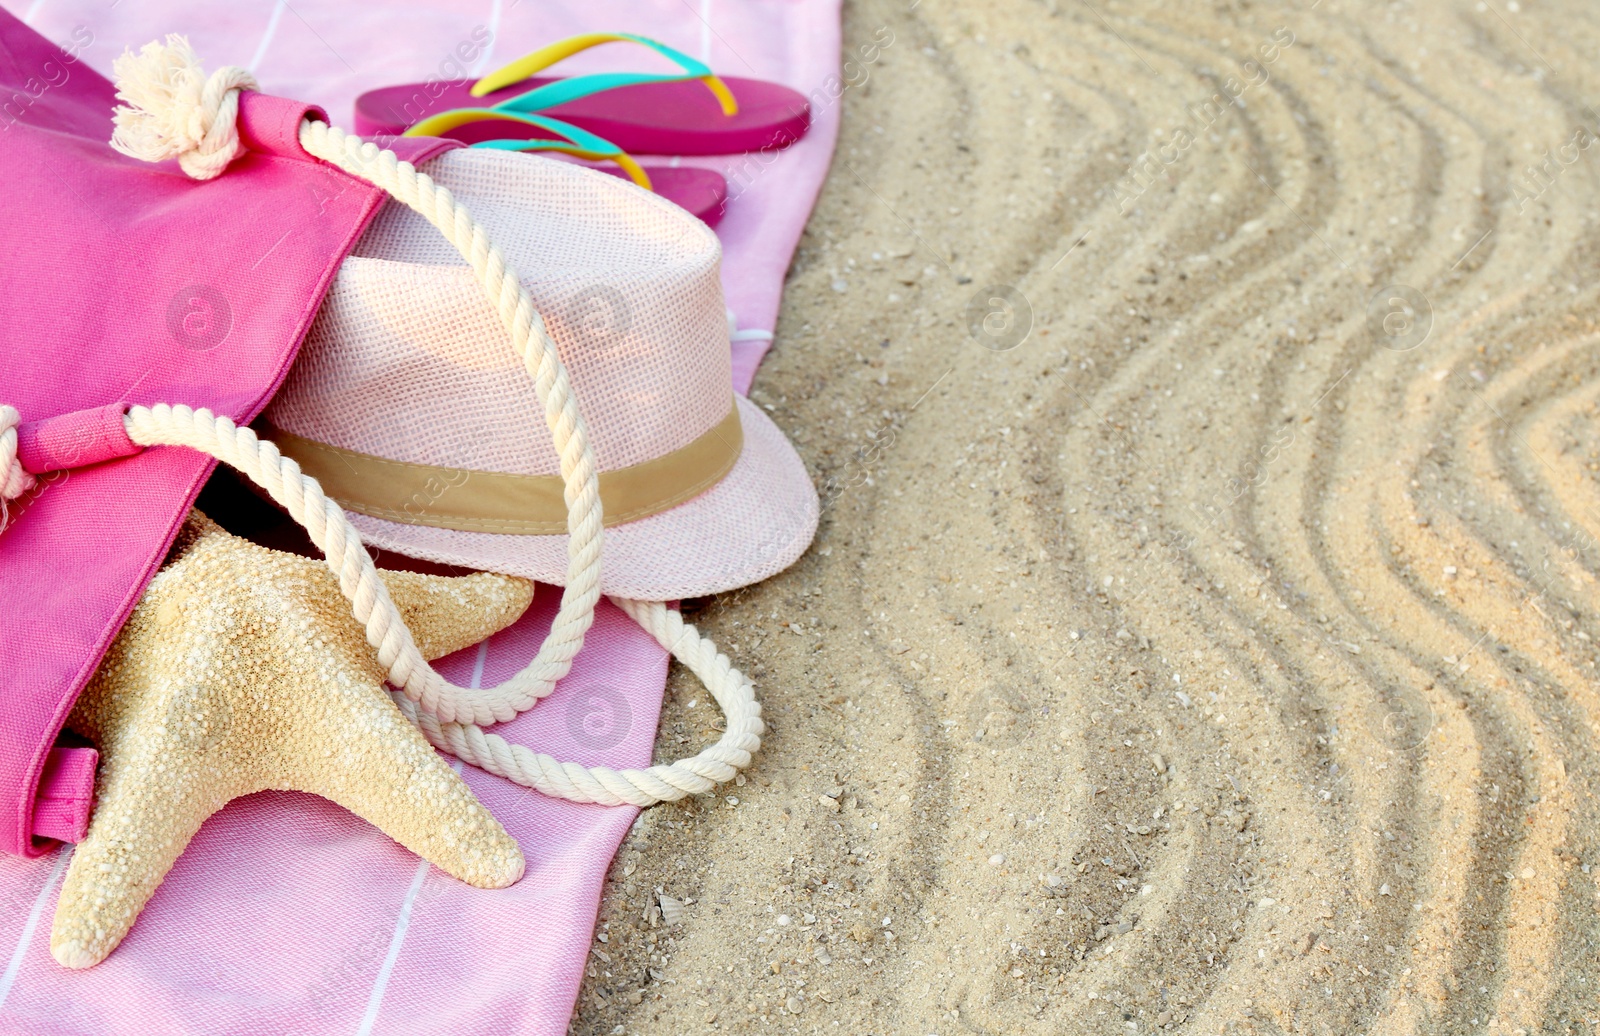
174	110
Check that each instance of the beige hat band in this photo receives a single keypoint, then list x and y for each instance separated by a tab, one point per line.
494	501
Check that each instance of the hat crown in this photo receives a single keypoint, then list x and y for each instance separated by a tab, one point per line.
406	360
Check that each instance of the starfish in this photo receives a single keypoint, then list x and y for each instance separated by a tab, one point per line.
242	670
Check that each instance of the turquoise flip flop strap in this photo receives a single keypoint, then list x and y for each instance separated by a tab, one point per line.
575	141
571	89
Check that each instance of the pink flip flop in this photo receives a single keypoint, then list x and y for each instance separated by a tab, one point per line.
693	112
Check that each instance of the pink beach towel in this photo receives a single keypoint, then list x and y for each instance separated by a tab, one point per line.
287	914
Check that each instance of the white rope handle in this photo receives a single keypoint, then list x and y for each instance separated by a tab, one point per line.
325	523
532	343
448	714
662	783
359	580
176	111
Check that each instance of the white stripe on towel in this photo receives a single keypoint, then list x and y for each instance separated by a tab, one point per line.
476	71
266	37
8	979
401	923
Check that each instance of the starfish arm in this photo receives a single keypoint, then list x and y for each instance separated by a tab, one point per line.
448	613
164	776
383	770
241	670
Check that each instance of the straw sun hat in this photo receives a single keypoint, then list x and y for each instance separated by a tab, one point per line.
409	409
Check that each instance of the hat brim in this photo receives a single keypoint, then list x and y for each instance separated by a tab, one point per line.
754	523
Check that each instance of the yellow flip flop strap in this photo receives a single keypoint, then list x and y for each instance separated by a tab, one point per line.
579	143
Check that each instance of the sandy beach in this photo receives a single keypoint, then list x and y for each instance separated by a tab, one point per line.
1203	638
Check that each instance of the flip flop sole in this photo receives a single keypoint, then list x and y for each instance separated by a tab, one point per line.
702	192
677	118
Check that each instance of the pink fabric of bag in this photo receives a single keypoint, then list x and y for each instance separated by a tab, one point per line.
126	282
342	931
